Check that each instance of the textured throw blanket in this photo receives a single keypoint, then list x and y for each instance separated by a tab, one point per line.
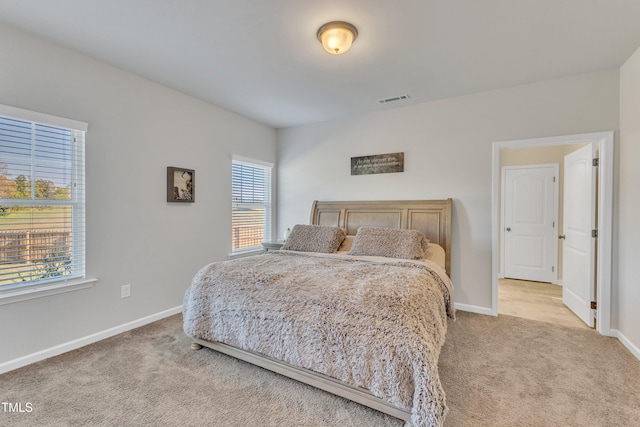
375	323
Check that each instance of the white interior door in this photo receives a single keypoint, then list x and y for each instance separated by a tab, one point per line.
578	248
530	234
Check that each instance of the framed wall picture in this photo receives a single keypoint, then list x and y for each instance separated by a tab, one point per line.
377	163
181	185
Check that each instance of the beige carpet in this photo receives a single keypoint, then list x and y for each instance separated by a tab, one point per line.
502	371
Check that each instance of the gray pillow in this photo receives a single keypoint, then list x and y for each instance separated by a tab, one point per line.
314	238
389	242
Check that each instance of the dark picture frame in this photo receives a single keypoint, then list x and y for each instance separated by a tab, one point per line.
181	185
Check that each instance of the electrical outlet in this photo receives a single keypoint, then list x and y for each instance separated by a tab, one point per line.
125	291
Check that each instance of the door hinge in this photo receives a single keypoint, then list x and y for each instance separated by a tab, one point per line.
594	305
595	162
553	269
554	179
594	233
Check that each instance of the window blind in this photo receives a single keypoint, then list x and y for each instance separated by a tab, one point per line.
251	205
42	202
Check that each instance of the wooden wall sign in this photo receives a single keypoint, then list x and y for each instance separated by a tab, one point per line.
378	163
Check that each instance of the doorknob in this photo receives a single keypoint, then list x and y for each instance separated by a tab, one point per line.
561	236
508	228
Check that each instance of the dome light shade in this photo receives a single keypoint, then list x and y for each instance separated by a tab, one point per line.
336	37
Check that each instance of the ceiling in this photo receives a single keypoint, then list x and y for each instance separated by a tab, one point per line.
261	58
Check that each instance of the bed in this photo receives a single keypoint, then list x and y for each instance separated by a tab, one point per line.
350	318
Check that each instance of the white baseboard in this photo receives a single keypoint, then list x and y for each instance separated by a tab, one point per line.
474	309
81	342
626	342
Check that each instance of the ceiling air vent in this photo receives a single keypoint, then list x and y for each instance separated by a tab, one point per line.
393	99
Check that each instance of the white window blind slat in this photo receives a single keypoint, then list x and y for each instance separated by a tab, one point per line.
42	212
251	204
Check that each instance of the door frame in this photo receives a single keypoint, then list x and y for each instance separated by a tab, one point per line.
604	212
556	192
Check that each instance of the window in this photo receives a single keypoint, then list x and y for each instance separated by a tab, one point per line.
42	200
251	204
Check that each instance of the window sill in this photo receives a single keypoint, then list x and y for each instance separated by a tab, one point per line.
45	290
243	254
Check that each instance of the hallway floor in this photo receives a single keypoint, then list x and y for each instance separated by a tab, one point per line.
535	301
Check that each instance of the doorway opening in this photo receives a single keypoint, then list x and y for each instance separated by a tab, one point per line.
604	141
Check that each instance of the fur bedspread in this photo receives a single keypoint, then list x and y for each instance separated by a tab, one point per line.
375	323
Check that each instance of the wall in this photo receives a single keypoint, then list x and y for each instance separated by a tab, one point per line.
628	205
447	146
136	129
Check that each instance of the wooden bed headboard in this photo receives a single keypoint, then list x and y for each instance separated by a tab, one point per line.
432	217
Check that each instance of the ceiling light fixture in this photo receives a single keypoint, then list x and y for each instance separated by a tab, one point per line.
336	37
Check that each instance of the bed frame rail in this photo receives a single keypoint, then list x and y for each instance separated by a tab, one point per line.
315	379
